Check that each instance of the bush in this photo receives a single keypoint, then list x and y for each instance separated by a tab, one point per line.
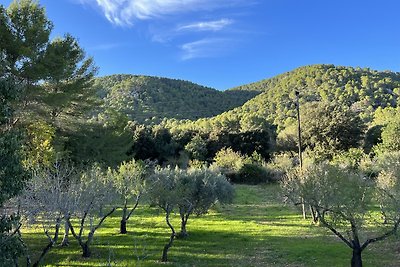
230	161
350	159
279	165
252	174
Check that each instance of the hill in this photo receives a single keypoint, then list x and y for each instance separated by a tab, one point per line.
150	99
363	90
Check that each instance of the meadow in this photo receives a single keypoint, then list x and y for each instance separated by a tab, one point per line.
257	229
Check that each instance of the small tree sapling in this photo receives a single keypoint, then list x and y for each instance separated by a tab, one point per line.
130	181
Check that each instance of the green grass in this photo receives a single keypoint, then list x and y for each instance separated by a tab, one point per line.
255	230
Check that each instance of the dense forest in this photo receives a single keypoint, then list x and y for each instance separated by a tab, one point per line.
76	149
362	90
148	99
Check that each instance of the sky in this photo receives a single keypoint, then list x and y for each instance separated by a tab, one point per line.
227	43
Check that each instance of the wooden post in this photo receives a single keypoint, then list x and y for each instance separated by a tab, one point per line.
300	145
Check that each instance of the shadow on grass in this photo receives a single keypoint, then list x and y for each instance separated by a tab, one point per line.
202	248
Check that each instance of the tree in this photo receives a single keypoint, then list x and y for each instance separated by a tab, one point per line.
144	146
328	128
390	136
229	161
48	198
52	74
130	182
343	201
12	174
94	192
198	190
191	191
163	194
38	149
197	148
58	66
26	30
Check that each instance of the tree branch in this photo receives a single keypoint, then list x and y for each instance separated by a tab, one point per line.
333	230
102	219
72	229
82	224
382	237
134	207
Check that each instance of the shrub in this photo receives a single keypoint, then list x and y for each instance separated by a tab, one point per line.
280	165
252	174
230	161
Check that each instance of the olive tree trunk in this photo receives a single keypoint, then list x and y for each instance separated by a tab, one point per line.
52	242
65	241
356	260
184	218
164	257
126	215
85	245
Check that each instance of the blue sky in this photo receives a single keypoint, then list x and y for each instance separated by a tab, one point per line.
226	43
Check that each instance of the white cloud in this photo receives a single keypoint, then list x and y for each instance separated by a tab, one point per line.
125	12
209	47
215	25
169	23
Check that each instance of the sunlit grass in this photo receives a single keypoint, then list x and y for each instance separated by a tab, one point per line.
257	229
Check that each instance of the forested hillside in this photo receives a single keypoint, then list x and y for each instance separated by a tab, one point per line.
150	99
362	90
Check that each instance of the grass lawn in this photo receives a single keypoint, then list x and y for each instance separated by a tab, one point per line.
255	230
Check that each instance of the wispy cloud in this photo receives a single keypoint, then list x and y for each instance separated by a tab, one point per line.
125	12
215	25
198	28
164	34
205	48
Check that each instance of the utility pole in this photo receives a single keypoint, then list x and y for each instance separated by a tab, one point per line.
299	143
299	128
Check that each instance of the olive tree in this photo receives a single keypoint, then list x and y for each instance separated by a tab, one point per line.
47	198
198	190
129	180
343	201
92	194
162	193
191	191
